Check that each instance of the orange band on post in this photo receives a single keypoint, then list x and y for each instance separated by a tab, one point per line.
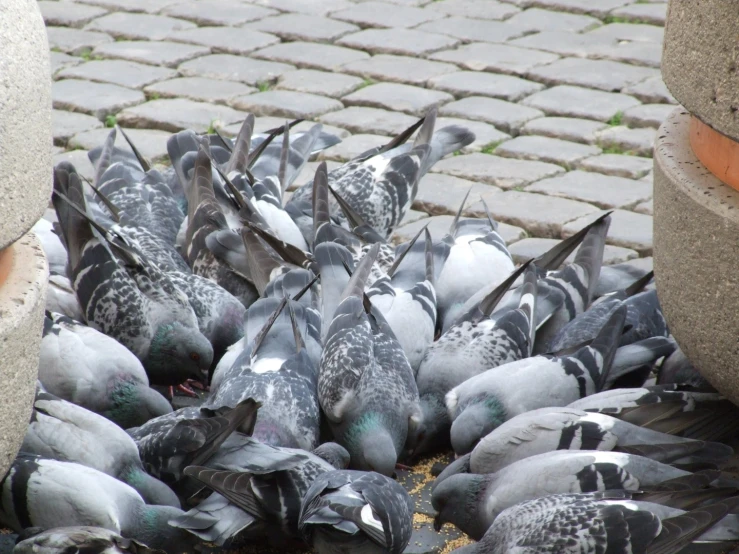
717	152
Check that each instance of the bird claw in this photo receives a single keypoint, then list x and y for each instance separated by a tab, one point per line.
197	385
187	391
403	467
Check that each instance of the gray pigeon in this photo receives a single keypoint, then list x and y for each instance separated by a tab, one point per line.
677	369
365	384
381	184
612	522
549	429
472	502
86	367
79	539
279	371
126	297
43	493
60	298
476	342
60	430
485	401
356	512
264	483
477	257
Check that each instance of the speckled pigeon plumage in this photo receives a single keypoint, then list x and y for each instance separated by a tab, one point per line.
602	522
90	369
90	540
38	492
365	384
347	512
66	432
483	402
472	502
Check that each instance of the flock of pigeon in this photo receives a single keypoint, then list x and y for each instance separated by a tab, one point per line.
332	358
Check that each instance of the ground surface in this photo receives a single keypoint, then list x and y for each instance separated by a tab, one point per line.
565	97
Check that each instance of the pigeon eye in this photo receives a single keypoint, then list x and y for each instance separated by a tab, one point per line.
194	356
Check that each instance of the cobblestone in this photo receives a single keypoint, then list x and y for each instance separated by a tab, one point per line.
199	89
64	125
297	26
168	54
474	83
632	141
534	247
59	61
546	149
226	39
80	161
404	42
565	128
599	74
98	99
481	56
540	215
478	9
400	98
217	12
335	85
628	229
441	194
640	53
311	55
600	190
381	14
598	9
352	146
630	32
564	43
75	41
572	101
399	69
67	14
138	25
618	165
648	115
438	226
643	13
151	143
287	103
146	6
359	119
313	7
472	30
485	134
177	114
234	68
651	91
506	116
645	208
536	20
494	170
118	72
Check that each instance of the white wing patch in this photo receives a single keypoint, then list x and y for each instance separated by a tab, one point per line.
267	365
368	518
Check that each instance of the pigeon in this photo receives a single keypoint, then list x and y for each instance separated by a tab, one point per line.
472	502
189	436
677	369
475	343
549	429
407	300
126	297
381	184
485	401
365	383
353	511
56	253
577	281
94	371
60	430
603	522
267	485
277	370
78	539
617	277
478	257
44	493
60	298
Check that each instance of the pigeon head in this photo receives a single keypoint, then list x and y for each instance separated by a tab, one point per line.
475	421
133	403
370	445
227	330
432	434
178	353
151	489
458	500
334	454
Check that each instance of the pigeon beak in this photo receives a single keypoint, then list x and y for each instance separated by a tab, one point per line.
438	523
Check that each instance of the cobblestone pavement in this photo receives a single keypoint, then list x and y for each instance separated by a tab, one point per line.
565	97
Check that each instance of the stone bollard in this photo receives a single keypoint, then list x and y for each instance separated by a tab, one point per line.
25	188
696	188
